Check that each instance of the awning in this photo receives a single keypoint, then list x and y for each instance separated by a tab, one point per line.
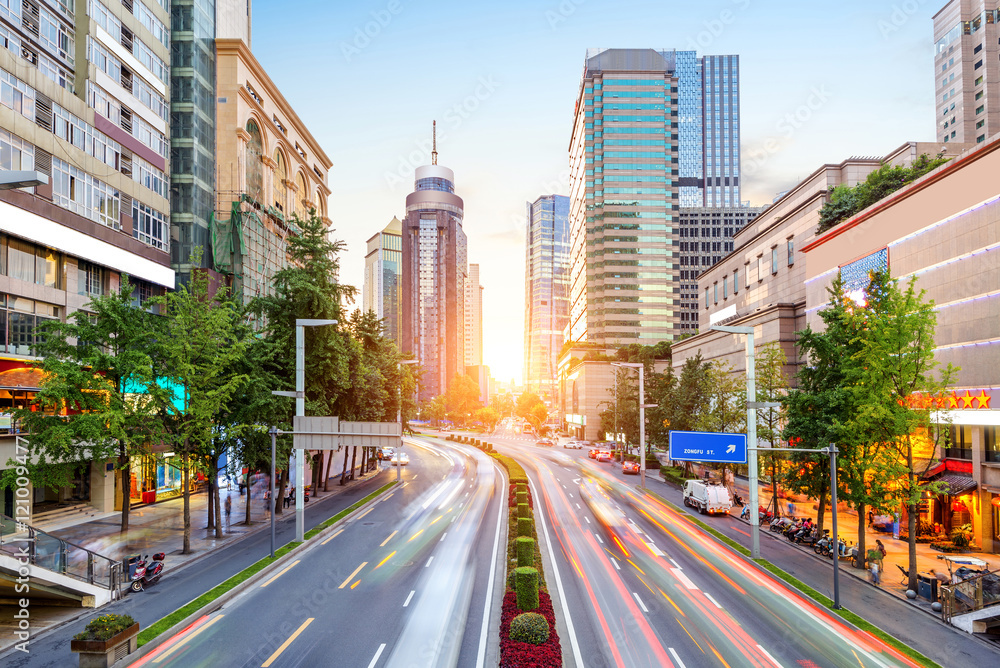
956	484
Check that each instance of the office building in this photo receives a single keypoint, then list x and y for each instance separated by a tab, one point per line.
654	130
381	289
84	128
269	170
473	318
546	291
435	268
706	236
967	71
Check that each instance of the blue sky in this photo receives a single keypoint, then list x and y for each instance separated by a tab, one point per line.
820	82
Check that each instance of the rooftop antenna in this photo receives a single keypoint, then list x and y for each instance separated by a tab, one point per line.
434	143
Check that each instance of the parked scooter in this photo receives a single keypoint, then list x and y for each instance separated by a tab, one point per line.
147	573
809	539
822	545
781	524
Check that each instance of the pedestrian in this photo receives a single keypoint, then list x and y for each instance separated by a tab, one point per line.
871	518
874	568
881	548
229	508
791	507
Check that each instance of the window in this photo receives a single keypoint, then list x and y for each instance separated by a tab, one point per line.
980	139
301	197
34	264
255	168
979	96
81	193
977	65
706	297
15	153
774	260
746	275
149	226
85	137
142	292
736	281
17	95
280	188
990	443
147	175
19	321
978	81
90	279
54	36
980	124
725	287
959	442
791	252
980	108
151	23
715	287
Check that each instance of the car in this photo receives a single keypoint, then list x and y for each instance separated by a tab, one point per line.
545	442
593	453
572	445
603	456
630	467
384	454
400	459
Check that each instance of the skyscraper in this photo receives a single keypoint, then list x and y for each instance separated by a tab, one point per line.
653	130
383	262
473	318
546	290
967	71
435	266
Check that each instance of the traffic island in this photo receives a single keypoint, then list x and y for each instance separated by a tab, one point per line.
106	640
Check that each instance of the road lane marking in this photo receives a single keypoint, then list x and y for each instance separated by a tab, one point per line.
282	572
714	602
377	655
483	631
641	605
586	518
675	564
364	513
288	642
351	576
181	643
685	580
415	535
405	484
387	539
676	658
338	532
598	539
407	601
355	584
564	486
429	561
442	536
768	655
385	560
578	507
615	562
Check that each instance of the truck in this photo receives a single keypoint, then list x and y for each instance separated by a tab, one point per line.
708	497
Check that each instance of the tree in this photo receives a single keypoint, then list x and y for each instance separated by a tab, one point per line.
726	411
896	379
462	398
538	417
488	417
97	396
436	409
526	403
504	403
200	349
771	386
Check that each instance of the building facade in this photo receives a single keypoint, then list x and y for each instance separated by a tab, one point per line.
706	237
84	90
473	318
546	291
967	71
270	169
381	289
653	130
435	268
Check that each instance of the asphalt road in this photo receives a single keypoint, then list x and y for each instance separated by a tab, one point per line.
408	583
644	588
175	590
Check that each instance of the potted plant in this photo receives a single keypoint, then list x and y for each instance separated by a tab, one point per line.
106	639
961	536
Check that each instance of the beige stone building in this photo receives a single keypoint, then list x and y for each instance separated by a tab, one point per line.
270	169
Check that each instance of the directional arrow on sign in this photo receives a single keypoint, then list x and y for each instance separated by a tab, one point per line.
731	448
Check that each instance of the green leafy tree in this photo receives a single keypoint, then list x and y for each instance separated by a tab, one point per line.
436	409
526	403
488	417
462	398
771	386
98	368
726	411
504	403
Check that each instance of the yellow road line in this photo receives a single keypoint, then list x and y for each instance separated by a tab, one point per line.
282	572
365	513
389	538
415	535
385	560
355	584
181	643
340	531
351	576
288	642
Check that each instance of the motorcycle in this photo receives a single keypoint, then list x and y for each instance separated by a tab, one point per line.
781	524
809	539
790	532
147	573
804	531
822	546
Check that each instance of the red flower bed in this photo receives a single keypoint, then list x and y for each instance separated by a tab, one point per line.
522	654
512	497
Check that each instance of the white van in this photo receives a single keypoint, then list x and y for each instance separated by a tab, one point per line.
707	497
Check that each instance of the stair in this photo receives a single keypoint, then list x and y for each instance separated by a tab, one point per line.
67	516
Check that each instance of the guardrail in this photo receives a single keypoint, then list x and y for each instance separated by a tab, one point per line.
60	556
969	595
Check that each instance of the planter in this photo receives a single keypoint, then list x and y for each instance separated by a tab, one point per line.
104	653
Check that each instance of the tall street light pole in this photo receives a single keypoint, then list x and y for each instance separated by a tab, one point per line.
300	411
642	415
399	416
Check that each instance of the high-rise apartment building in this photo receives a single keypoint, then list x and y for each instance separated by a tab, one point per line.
653	130
706	236
967	71
473	318
381	289
84	128
435	268
546	290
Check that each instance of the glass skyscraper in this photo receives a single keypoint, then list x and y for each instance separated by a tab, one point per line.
654	130
380	293
546	290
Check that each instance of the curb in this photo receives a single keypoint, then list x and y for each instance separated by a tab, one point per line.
243	587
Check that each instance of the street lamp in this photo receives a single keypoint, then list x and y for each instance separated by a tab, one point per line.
300	411
399	416
642	415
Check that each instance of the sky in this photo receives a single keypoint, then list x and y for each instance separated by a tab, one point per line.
820	82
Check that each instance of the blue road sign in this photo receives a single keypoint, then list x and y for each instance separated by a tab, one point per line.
704	446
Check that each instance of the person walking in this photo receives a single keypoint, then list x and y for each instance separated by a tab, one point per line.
229	508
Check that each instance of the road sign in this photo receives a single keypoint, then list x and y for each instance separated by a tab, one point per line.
702	446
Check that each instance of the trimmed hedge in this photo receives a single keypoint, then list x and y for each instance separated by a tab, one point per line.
521	497
523	511
525	548
522	654
529	627
525	526
526	586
